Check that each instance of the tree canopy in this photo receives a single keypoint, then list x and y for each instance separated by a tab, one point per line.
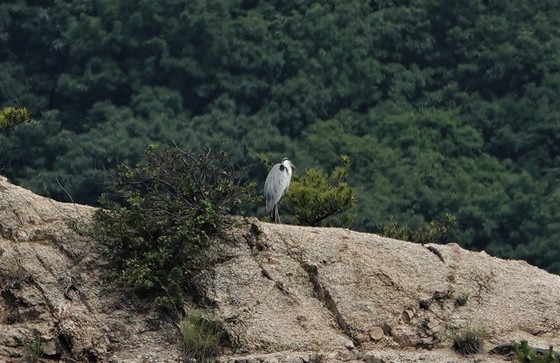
443	107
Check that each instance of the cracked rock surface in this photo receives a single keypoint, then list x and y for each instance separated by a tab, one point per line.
356	296
53	292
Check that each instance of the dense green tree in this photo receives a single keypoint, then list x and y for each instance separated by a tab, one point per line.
163	216
443	107
314	198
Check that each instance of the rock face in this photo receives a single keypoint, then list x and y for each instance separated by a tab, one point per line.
56	302
360	296
284	294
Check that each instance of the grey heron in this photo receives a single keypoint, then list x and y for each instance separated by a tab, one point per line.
275	185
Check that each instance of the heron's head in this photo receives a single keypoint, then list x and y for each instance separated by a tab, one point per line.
287	164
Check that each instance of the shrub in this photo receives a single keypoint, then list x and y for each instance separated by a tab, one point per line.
393	229
314	196
11	116
431	232
461	300
163	216
468	341
526	354
201	335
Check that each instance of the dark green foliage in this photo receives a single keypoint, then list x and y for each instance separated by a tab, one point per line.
314	196
164	215
431	232
525	354
393	229
442	106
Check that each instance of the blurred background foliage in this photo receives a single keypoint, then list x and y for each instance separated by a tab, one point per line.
442	106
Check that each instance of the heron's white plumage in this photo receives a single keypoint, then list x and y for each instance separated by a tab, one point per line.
275	185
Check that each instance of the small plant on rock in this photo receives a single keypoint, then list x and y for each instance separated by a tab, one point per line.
314	196
431	232
461	300
201	335
525	354
11	116
468	341
394	229
33	349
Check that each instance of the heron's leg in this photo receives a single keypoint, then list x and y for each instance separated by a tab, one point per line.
273	214
276	214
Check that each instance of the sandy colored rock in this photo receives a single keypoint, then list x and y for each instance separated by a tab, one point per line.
347	284
376	333
284	294
39	257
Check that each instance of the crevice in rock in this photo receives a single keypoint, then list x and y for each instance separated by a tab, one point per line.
45	298
70	287
46	266
14	280
8	298
325	297
45	237
253	240
388	281
436	252
277	283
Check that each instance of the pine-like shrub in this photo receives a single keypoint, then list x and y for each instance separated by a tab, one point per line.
162	218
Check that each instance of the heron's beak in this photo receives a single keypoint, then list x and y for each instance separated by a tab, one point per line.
292	165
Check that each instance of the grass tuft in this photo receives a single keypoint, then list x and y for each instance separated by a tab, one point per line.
468	341
201	335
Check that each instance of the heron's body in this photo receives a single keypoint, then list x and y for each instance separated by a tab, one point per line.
276	184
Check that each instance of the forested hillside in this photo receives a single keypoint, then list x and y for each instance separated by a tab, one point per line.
442	106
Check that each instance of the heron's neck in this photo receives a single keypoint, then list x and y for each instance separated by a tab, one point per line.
288	168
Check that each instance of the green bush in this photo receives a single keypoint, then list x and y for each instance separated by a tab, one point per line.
431	232
314	196
11	116
163	216
525	354
201	335
394	229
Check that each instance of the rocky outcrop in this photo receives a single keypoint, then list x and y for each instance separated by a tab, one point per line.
56	302
355	295
284	293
